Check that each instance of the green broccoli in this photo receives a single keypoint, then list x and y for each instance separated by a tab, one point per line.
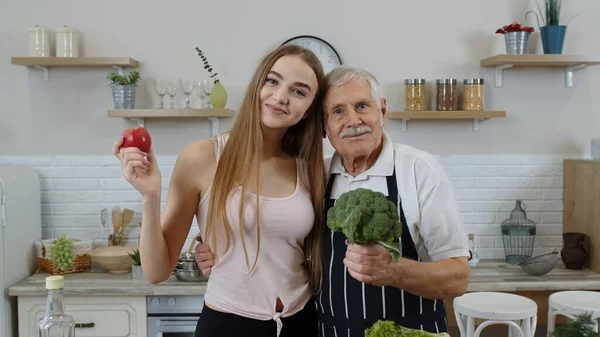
367	217
383	328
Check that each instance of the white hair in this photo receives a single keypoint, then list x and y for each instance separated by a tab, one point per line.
342	75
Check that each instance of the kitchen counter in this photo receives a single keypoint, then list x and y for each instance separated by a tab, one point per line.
487	276
101	283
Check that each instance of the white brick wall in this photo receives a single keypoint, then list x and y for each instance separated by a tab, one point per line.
75	189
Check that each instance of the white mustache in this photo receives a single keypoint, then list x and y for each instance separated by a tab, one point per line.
355	131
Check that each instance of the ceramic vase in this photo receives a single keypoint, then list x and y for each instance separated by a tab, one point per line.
218	96
553	38
575	250
137	273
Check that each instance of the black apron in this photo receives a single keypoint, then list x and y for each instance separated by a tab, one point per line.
347	307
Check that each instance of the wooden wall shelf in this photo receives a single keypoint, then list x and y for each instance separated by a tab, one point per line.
75	62
139	115
570	63
476	116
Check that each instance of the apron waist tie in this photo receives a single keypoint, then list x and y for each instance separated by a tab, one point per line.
277	319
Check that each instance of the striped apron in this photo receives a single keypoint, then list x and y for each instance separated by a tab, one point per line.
347	307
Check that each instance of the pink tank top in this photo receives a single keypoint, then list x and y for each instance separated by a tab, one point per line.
279	273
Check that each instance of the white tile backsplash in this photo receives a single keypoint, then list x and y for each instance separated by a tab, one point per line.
76	188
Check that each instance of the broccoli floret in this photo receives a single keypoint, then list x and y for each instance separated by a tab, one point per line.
365	217
383	328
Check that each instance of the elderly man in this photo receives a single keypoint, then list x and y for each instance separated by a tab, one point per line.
361	283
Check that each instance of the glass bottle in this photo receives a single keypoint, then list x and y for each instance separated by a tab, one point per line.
56	323
474	249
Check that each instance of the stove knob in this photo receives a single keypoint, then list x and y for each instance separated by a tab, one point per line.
172	301
155	301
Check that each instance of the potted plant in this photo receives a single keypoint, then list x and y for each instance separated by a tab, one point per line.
124	89
551	31
218	95
516	37
582	326
136	269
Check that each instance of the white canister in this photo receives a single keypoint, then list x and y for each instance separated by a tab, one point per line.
595	148
38	42
67	43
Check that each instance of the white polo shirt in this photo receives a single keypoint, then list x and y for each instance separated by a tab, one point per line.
426	194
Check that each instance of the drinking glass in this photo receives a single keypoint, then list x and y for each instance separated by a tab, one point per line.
187	86
171	92
160	87
204	87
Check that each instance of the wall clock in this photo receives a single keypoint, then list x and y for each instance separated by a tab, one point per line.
328	56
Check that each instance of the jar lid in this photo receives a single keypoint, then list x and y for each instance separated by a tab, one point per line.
37	29
445	81
473	81
414	81
65	29
54	282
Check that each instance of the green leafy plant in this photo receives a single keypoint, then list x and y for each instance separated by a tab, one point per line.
551	13
136	257
582	326
364	217
207	65
383	328
129	79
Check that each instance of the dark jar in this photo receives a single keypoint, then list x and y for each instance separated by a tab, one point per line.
446	95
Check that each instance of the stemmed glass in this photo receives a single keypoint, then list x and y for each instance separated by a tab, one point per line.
204	88
160	87
171	92
187	86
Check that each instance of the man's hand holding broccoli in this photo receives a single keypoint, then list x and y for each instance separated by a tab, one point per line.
372	226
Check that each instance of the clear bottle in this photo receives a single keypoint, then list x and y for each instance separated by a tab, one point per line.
446	98
473	94
474	249
56	323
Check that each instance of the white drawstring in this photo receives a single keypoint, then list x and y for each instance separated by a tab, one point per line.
277	319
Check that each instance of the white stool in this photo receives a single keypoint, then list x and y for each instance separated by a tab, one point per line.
571	303
518	312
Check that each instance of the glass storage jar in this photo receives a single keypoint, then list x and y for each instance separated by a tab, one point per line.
473	94
445	97
414	94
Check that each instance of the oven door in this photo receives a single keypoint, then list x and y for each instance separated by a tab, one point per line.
172	326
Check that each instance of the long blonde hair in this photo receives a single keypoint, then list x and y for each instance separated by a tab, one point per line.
244	149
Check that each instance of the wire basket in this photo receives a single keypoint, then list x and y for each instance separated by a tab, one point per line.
518	235
82	261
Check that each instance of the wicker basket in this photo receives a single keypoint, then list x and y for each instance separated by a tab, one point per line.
82	261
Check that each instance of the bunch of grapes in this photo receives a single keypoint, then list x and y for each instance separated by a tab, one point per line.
61	252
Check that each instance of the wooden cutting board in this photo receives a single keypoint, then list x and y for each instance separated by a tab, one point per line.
581	208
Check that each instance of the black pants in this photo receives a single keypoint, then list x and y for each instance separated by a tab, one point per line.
218	324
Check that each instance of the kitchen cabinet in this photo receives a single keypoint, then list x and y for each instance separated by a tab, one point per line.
117	316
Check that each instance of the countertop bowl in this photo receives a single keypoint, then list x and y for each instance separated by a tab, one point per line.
114	258
541	264
189	275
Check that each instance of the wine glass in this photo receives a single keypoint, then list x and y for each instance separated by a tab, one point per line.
160	87
204	88
187	86
171	92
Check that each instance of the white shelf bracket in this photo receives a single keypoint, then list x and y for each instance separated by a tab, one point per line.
44	71
404	124
476	124
214	126
139	121
498	73
120	70
569	74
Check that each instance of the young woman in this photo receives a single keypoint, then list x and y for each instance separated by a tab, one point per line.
256	192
